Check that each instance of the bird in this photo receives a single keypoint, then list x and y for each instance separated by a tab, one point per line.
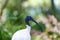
24	34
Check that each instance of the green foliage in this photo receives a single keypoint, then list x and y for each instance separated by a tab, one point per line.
15	19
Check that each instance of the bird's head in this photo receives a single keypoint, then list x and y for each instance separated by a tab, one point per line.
29	18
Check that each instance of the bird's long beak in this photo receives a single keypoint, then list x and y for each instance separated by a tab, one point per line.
38	25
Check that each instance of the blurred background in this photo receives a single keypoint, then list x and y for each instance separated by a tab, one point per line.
45	12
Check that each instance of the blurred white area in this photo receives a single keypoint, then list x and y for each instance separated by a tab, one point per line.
34	3
25	4
0	0
32	12
57	4
55	35
4	15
